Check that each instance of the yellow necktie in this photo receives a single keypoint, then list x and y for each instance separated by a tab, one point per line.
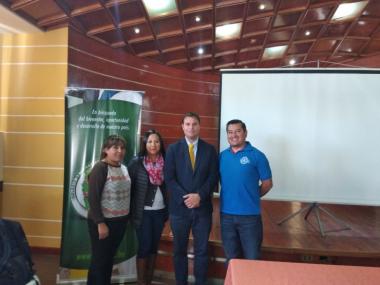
191	153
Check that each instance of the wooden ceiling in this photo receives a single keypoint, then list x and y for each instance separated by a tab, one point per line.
174	39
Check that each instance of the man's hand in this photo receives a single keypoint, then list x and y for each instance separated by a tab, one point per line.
192	200
103	230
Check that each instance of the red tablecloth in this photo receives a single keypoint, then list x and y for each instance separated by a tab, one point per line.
251	272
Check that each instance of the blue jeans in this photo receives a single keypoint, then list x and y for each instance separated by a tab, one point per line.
241	236
200	226
149	232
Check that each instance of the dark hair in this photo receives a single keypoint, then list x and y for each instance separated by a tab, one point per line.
191	115
110	141
143	151
236	121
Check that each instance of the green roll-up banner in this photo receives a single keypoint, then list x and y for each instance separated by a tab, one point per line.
90	116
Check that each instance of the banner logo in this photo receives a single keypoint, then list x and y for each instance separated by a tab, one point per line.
79	192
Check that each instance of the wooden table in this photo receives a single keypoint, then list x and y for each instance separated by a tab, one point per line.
251	272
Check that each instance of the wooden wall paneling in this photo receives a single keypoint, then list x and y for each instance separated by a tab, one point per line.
160	118
169	92
101	65
33	80
157	98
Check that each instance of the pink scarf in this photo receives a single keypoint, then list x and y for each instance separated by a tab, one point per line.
155	169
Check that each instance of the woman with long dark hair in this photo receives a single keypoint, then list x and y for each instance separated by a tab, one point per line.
149	202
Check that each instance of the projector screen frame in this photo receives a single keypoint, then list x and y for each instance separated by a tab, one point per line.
251	127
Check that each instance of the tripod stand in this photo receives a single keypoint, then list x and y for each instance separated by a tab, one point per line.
317	208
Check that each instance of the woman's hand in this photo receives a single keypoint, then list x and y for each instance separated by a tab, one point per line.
103	230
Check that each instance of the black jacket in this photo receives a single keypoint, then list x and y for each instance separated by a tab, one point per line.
142	191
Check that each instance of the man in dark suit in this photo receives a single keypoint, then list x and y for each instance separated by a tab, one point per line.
191	174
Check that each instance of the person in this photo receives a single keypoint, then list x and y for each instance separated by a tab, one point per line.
149	202
109	205
245	177
191	174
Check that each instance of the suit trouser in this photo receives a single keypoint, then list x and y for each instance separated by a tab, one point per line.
104	250
200	225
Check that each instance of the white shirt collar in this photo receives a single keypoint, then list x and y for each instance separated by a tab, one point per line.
195	143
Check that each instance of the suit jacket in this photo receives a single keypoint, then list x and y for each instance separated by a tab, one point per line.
180	178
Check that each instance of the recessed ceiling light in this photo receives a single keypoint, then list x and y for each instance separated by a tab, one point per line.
228	31
349	49
197	19
307	33
347	11
274	52
261	6
159	8
200	50
292	61
137	30
253	41
361	23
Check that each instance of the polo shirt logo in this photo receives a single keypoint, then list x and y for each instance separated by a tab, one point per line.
244	160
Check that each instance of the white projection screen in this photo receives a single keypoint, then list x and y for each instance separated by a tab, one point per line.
319	129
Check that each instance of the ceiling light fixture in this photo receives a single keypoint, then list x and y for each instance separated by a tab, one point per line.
159	8
349	49
137	30
348	11
292	61
228	31
197	19
261	6
307	33
200	50
274	52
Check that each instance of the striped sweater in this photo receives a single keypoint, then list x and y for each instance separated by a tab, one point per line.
109	192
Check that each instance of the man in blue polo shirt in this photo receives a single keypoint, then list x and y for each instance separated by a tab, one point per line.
245	177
